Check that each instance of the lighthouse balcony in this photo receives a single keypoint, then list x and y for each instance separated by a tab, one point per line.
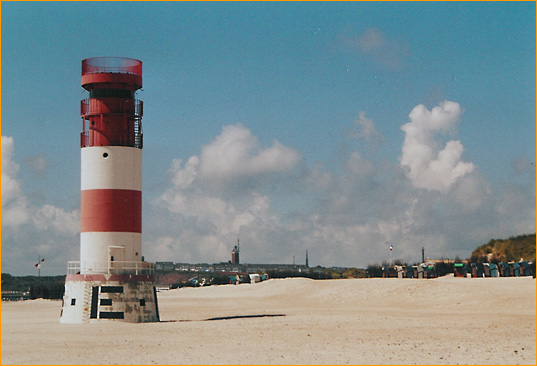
90	138
97	65
110	72
109	105
127	132
111	267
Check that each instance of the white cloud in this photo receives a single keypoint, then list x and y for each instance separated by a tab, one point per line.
381	49
10	186
366	131
29	230
220	192
236	153
183	178
471	193
428	166
15	209
56	219
317	179
346	218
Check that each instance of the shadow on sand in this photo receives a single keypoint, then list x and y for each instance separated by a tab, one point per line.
226	318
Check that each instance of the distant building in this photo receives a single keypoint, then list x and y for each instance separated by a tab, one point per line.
234	266
227	267
165	266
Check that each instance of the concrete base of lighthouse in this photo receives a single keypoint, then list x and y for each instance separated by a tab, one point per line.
109	297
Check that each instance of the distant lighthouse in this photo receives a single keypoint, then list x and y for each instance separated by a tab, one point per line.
235	253
111	281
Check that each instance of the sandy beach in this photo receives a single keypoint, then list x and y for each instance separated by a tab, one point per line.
296	321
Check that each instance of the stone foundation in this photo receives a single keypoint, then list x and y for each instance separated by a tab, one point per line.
93	298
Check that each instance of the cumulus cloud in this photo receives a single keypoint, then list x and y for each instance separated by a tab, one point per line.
200	225
236	153
366	131
29	230
10	186
234	162
431	199
350	215
427	165
15	209
58	220
381	49
220	192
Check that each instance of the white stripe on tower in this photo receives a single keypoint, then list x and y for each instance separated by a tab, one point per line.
111	167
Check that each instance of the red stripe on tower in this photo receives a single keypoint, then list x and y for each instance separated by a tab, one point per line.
111	210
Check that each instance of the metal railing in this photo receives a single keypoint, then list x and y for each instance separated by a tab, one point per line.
86	140
111	267
95	106
133	108
138	140
111	65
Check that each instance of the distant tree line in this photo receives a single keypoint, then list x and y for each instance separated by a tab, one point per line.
46	287
47	290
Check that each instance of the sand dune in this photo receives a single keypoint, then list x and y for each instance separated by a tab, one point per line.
296	321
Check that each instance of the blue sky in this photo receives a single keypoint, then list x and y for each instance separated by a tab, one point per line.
281	124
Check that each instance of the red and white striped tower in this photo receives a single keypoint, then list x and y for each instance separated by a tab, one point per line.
111	281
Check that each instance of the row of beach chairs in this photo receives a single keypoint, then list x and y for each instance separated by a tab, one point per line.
504	269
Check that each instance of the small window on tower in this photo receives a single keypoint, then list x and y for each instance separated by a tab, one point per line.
73	302
142	302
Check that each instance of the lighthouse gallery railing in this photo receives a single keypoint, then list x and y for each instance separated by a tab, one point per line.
111	267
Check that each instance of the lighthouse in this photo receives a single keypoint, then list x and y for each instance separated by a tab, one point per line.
111	281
